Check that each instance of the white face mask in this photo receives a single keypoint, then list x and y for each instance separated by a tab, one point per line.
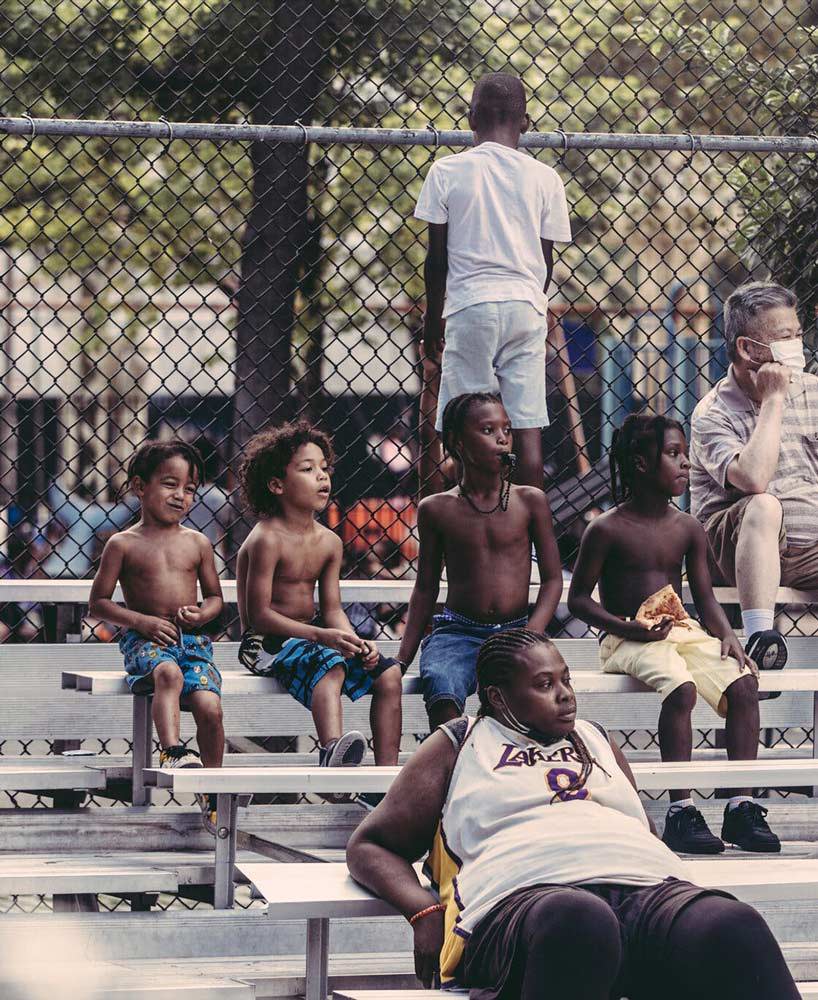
789	353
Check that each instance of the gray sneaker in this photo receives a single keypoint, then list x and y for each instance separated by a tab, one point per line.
347	751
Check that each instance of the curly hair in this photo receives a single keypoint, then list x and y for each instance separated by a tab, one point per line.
267	455
640	434
151	454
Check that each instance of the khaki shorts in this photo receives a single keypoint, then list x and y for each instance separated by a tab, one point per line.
497	345
687	655
799	563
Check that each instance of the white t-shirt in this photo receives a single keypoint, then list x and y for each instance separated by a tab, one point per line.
499	203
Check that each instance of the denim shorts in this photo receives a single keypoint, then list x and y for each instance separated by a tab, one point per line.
493	346
193	655
448	657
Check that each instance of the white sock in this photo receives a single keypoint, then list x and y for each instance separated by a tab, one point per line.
681	804
757	620
736	800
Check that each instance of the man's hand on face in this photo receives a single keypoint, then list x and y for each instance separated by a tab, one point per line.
771	379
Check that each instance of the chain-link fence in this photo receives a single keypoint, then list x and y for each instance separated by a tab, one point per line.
183	281
209	280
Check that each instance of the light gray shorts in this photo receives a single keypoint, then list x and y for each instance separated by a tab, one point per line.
497	345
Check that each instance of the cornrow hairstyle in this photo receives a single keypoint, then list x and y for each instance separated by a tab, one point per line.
454	420
497	661
456	413
640	434
266	457
150	454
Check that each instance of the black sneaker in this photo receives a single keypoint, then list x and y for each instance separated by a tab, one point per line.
370	800
686	832
746	827
768	651
347	751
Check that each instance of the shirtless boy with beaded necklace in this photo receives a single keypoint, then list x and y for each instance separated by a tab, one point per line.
482	531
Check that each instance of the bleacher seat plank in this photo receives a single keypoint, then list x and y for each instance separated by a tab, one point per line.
583	681
121	871
201	934
366	591
78	716
114	981
32	705
66	875
20	775
655	776
284	975
191	988
329	891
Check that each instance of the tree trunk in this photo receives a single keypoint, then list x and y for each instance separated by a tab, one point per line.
287	82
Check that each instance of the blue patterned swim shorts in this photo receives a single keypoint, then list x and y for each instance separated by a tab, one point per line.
299	665
193	656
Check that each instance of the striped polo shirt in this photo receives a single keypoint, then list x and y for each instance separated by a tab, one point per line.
721	426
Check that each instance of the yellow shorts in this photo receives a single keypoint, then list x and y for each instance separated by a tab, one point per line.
688	654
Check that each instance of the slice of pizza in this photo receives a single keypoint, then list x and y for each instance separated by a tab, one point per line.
665	603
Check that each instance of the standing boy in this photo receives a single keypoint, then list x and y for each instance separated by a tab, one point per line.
494	213
159	563
482	530
635	552
285	477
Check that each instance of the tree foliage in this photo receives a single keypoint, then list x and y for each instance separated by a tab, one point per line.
779	192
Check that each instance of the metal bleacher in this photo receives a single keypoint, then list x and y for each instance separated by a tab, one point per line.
155	860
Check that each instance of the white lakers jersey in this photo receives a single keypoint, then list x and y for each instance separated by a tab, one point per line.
509	822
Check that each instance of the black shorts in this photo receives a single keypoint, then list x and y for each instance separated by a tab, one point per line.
493	962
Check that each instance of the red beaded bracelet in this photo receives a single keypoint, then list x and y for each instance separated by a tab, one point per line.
436	908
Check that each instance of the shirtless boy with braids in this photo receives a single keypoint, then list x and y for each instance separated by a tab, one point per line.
482	531
635	552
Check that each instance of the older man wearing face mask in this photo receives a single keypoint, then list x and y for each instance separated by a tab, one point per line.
754	462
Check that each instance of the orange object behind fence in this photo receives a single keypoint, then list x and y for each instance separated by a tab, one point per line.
373	521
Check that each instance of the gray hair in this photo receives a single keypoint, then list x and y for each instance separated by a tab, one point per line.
746	302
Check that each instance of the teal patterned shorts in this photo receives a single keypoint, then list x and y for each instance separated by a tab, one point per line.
194	657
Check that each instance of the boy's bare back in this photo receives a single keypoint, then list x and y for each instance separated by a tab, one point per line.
487	556
287	562
639	555
157	569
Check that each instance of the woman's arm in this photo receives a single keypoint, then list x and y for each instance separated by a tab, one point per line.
381	851
401	830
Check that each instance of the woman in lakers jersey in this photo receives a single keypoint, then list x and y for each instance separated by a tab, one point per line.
548	881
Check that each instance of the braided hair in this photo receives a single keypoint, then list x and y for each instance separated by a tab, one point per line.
454	420
497	661
640	434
